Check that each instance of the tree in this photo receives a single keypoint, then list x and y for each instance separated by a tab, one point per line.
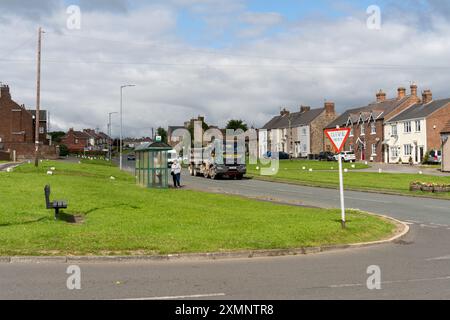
236	125
63	150
57	136
162	133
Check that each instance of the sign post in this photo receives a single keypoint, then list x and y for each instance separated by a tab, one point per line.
338	137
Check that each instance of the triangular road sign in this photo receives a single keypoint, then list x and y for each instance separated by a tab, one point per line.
338	137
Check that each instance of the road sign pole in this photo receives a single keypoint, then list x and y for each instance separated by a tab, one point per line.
341	183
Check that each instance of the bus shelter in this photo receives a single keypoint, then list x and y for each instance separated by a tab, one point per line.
152	168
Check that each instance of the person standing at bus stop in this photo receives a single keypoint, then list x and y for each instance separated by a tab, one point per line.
176	174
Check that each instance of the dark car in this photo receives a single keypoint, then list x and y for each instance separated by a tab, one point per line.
326	156
131	157
284	156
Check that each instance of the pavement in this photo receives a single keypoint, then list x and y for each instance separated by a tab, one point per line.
5	166
417	267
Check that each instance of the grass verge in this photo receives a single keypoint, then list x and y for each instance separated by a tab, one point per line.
354	180
120	218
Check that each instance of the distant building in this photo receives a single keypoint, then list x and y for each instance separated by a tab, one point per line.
85	141
299	134
17	129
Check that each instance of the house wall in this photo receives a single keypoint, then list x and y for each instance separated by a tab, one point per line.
361	144
16	124
26	151
317	132
435	124
446	153
302	139
70	141
416	139
263	143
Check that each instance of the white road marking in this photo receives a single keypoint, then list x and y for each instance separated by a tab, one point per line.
427	226
178	297
413	222
439	258
390	282
439	225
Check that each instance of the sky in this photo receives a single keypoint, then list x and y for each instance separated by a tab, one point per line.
223	59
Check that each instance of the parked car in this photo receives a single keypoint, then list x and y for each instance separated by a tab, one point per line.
346	156
284	156
435	156
326	156
131	157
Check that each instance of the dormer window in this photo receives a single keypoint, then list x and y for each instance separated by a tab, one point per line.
363	130
373	128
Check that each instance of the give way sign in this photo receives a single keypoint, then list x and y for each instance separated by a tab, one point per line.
338	137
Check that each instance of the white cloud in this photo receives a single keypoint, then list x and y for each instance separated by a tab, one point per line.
313	60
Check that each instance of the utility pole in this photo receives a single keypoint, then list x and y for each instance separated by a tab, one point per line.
121	122
38	96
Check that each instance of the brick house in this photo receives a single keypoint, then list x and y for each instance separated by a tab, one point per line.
367	138
86	140
300	134
17	129
76	141
417	130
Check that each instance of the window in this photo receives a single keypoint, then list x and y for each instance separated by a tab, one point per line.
304	131
363	130
394	130
352	148
394	152
418	126
408	127
352	132
373	128
76	141
41	130
374	149
408	149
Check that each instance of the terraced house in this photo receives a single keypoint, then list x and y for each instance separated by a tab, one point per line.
367	138
416	131
300	134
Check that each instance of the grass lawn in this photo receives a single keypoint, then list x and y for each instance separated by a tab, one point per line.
121	218
388	182
296	165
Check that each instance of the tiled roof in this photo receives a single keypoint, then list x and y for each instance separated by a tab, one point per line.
420	110
297	119
378	109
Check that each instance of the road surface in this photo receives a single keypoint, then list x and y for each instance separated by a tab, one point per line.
417	267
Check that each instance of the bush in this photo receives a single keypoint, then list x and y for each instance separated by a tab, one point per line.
63	150
426	158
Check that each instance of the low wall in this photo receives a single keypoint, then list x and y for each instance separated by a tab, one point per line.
27	151
446	156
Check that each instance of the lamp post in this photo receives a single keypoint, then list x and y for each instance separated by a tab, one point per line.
110	135
121	122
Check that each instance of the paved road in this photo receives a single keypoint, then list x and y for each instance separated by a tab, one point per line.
416	268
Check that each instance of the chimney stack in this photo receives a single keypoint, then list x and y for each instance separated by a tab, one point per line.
284	112
381	96
330	107
304	109
414	90
427	96
4	91
401	93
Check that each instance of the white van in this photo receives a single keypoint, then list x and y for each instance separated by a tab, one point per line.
172	156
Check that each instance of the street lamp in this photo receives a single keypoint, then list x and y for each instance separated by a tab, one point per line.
110	135
121	121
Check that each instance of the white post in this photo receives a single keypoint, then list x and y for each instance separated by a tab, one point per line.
341	182
121	128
